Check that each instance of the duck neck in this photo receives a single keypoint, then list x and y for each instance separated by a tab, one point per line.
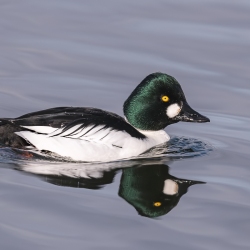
149	121
144	125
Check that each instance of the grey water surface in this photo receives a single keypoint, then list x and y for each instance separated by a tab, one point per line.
94	53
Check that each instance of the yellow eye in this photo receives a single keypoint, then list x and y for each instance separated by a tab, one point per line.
157	204
165	98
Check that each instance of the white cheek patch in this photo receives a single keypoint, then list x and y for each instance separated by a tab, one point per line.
173	110
170	187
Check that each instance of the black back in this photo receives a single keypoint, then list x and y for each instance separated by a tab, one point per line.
63	117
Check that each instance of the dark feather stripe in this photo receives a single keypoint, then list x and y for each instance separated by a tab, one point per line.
68	117
116	146
105	136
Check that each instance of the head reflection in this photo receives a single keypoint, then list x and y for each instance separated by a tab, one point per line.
147	186
151	190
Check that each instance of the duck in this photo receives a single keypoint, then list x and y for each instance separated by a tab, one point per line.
89	134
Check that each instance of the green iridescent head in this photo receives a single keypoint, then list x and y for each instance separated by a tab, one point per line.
157	102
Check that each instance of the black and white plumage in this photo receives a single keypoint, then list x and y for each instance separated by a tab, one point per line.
95	135
82	134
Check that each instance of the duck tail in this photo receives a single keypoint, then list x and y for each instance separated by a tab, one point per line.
8	136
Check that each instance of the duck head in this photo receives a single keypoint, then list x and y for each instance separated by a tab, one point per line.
157	102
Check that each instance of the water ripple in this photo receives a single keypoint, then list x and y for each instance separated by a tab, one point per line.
180	147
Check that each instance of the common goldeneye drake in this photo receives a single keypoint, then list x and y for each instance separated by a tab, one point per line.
90	134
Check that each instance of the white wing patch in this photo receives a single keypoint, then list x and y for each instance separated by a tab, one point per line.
90	133
41	129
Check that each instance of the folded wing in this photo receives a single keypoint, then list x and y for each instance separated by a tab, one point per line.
80	133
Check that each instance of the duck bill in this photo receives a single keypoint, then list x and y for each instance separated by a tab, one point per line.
187	114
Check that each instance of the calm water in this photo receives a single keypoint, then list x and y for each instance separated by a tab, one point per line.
87	53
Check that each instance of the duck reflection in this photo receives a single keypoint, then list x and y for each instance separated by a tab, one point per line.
151	190
89	183
147	186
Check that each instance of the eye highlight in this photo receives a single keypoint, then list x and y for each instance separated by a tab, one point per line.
165	98
157	204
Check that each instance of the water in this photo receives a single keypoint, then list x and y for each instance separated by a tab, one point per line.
87	54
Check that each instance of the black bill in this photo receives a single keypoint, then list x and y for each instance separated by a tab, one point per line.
187	114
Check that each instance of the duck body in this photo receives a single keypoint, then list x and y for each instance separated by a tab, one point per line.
95	135
82	134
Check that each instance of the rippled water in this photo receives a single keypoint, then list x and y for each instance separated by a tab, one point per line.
82	53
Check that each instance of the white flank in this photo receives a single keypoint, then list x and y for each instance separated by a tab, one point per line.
173	110
170	187
92	144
